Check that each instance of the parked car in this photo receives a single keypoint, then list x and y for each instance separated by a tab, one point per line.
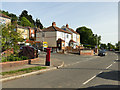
101	53
29	51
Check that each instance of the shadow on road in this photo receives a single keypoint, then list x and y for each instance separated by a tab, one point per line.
112	75
102	87
117	60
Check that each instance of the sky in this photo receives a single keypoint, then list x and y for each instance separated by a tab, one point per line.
101	17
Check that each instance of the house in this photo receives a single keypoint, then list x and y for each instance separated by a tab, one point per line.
4	19
24	31
75	38
32	33
56	38
28	34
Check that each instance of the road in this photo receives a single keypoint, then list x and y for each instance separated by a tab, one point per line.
78	72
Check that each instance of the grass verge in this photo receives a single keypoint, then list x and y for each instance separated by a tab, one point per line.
22	71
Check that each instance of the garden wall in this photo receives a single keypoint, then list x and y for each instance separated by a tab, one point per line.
86	52
18	63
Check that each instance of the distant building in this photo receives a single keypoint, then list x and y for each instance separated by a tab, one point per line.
32	33
4	19
24	31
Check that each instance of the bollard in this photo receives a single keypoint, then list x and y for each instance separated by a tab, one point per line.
48	57
29	61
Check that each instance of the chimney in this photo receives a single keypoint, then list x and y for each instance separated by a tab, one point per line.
67	26
54	24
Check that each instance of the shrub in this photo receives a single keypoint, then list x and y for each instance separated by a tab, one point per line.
13	58
24	58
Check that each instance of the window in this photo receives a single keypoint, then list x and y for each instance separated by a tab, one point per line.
58	45
32	35
43	34
24	37
67	36
31	31
63	44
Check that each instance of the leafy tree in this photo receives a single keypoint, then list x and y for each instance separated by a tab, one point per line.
103	46
110	46
23	14
85	34
118	46
87	37
25	22
13	17
28	17
38	24
10	38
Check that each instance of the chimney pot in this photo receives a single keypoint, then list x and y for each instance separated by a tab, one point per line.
54	24
67	25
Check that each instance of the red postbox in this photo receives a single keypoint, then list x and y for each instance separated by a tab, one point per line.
48	57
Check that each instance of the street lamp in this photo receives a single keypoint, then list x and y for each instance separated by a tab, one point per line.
43	35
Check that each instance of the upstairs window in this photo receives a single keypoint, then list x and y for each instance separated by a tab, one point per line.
31	31
67	36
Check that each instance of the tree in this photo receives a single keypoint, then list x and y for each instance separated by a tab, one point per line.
103	46
28	17
85	34
10	38
110	46
87	37
117	46
38	24
13	17
25	22
23	14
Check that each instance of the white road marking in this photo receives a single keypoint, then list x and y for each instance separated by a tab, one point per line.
95	75
89	80
109	66
117	59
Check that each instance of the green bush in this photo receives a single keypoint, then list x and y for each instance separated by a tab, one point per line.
4	59
14	58
24	58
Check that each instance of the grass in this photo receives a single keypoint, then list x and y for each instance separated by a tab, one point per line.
21	71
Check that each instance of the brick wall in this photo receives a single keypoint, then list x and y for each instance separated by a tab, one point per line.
86	52
18	63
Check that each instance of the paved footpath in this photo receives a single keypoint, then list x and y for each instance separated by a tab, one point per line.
54	64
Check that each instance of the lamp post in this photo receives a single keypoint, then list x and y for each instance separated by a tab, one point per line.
43	35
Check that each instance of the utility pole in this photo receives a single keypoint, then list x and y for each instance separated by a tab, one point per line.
43	35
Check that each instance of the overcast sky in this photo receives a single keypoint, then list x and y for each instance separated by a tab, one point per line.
101	17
